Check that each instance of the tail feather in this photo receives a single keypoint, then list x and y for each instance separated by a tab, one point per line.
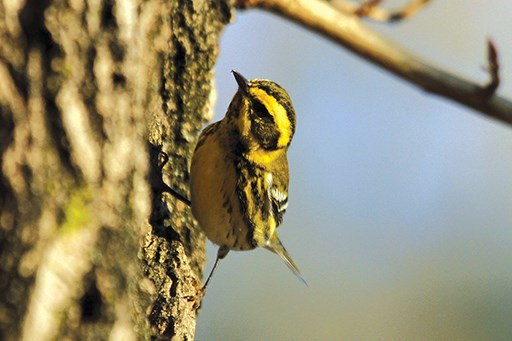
275	245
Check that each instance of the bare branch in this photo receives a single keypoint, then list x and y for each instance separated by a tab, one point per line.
349	32
371	10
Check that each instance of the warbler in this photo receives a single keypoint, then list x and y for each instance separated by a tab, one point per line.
239	171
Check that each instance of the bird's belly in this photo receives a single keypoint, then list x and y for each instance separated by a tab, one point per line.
214	199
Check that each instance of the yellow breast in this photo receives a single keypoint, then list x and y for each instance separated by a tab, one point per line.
215	203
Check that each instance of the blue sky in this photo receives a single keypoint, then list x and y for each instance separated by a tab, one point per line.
400	202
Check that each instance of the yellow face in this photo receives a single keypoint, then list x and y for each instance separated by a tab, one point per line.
278	119
265	116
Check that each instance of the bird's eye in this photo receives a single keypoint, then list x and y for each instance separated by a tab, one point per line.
261	111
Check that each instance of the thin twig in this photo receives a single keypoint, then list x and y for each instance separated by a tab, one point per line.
493	67
366	8
370	9
349	32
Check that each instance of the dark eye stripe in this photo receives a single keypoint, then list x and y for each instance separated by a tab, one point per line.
261	111
281	96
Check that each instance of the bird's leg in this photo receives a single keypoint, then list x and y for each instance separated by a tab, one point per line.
223	251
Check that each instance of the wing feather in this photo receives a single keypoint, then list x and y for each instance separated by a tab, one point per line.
278	190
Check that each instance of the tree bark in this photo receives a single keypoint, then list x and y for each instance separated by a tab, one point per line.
99	99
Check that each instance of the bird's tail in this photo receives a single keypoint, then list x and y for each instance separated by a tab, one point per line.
275	245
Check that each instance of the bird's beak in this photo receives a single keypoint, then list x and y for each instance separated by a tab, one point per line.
243	83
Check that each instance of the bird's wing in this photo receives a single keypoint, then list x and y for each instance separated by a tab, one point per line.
278	190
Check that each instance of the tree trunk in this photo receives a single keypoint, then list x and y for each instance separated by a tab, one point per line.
99	99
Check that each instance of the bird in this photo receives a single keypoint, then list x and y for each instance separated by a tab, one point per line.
239	171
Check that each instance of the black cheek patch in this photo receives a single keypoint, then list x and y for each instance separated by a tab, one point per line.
266	134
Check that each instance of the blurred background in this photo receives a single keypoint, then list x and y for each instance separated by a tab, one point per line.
400	213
